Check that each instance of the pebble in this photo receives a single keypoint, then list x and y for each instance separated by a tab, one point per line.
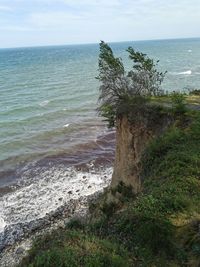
20	250
11	250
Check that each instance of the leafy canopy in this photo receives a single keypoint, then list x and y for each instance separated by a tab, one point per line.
119	88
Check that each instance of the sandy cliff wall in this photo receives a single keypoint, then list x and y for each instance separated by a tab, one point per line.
131	141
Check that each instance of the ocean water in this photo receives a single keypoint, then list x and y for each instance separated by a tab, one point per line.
48	119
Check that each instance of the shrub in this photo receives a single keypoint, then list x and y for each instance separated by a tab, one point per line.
178	103
195	92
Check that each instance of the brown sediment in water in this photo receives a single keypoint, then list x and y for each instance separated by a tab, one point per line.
97	153
101	152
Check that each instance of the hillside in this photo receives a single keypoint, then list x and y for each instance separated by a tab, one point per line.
156	226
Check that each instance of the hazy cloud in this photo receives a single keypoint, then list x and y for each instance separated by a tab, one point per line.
5	8
82	21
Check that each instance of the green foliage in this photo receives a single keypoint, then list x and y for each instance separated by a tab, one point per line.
75	224
158	227
108	113
142	62
195	92
156	234
178	103
191	237
108	208
126	192
171	186
75	249
107	62
120	91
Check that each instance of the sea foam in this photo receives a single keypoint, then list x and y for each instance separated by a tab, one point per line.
53	187
188	72
2	224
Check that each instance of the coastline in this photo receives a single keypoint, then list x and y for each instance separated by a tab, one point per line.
51	192
17	239
43	186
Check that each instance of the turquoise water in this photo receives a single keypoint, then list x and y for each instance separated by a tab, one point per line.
48	95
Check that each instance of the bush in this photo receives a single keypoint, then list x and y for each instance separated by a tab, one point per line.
178	103
195	92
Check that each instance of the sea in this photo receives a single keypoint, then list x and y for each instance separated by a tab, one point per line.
53	144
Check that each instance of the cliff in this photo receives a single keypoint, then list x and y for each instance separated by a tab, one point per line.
159	156
131	140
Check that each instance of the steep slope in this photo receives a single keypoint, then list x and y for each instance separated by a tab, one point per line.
155	226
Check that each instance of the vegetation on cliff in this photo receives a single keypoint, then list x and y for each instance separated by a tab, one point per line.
123	91
157	226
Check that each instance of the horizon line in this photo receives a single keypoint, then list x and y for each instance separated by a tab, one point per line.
96	43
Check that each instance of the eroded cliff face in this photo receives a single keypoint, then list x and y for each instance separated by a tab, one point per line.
131	141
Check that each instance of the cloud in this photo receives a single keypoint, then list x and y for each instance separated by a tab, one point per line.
15	28
82	21
85	3
5	8
53	19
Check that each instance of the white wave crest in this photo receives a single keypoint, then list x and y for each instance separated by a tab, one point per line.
187	72
44	103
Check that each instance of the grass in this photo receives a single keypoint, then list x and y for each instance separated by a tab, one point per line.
68	248
190	99
158	227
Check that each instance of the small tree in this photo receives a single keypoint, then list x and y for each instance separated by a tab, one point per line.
120	89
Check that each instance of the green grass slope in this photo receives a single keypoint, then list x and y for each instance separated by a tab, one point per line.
158	227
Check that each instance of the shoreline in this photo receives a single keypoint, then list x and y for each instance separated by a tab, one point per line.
50	192
18	238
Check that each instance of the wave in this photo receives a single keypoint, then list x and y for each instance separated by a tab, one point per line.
187	72
44	103
53	187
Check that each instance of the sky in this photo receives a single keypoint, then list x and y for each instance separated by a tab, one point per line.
54	22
